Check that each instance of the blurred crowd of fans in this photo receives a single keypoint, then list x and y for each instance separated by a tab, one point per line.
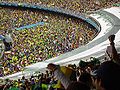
88	75
74	5
58	35
47	80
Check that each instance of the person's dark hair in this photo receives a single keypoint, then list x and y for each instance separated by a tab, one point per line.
23	77
78	86
111	37
109	73
86	78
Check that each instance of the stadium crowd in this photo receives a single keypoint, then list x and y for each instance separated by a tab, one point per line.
46	81
74	5
56	36
91	75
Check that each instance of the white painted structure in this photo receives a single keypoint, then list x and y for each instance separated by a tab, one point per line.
109	20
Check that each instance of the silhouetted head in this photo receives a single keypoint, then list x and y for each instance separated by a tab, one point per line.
78	86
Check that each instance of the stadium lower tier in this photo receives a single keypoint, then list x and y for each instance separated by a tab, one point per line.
57	35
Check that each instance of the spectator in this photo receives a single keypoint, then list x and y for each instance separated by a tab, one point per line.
67	83
111	51
59	75
108	74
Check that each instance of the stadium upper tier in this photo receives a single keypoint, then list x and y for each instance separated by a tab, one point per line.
74	5
110	24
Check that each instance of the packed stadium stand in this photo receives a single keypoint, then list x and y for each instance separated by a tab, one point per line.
61	32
